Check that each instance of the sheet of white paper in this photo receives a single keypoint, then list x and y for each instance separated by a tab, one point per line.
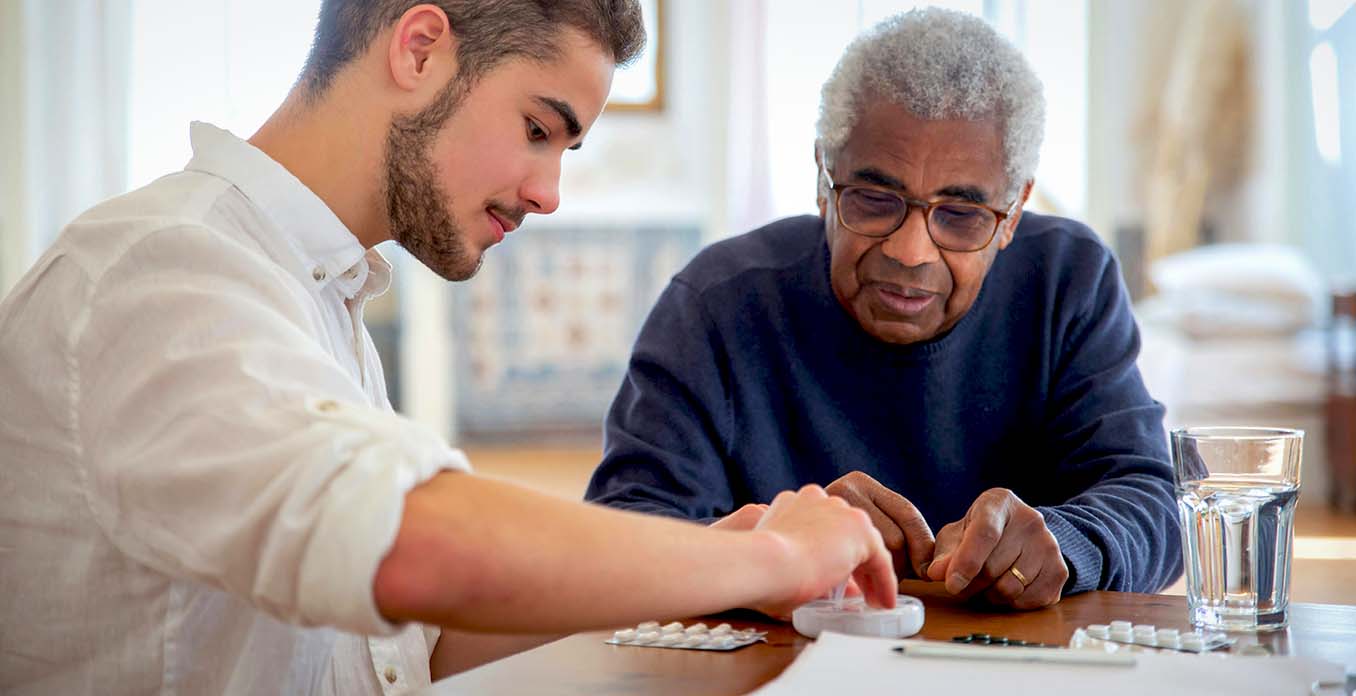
841	664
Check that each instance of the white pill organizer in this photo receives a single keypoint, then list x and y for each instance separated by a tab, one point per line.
695	637
855	617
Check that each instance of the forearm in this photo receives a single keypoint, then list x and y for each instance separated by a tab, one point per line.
484	555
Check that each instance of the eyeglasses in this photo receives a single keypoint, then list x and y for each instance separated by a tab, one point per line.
874	211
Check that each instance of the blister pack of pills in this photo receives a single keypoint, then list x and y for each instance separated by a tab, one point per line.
695	637
1144	636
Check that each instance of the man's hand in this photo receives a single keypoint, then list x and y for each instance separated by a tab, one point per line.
826	542
1002	549
903	528
743	519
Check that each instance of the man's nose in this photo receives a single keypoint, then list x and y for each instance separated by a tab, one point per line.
911	245
541	190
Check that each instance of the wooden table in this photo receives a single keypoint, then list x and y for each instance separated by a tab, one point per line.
584	664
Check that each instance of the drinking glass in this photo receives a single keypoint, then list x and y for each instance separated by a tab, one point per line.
1236	491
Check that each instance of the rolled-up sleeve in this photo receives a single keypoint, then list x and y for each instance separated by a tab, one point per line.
221	441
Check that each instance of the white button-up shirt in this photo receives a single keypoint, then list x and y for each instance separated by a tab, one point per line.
199	467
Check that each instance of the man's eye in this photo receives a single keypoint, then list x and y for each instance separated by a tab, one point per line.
535	133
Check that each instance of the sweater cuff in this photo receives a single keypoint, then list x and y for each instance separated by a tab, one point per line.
1082	556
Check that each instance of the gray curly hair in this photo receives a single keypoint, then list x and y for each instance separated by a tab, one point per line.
938	64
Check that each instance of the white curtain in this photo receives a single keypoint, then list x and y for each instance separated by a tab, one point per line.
65	118
747	161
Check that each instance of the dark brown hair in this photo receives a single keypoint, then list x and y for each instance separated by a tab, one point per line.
488	32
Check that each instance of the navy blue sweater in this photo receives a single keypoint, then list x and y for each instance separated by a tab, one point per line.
749	378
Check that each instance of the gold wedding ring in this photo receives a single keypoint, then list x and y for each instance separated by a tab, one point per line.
1018	574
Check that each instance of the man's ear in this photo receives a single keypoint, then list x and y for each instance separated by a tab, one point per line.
422	50
1009	226
820	199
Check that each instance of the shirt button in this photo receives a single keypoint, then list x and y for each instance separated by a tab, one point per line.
327	406
318	273
391	675
351	273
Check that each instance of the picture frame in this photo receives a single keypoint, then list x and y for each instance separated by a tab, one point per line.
639	87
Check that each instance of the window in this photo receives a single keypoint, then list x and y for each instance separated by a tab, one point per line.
230	62
806	37
1324	115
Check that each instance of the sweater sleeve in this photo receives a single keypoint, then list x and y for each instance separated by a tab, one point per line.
664	439
1117	520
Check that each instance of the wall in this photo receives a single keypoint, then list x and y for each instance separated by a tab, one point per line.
13	248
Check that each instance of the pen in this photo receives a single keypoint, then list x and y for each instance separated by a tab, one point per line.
1010	654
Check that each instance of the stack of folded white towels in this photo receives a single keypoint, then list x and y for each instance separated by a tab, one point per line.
1235	336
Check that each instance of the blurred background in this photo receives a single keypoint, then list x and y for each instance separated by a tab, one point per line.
1212	144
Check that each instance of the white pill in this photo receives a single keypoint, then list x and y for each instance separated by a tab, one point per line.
1143	629
1122	635
646	637
648	626
1147	639
1121	625
625	634
723	643
674	627
1168	634
671	638
696	629
1099	631
694	641
722	629
1192	642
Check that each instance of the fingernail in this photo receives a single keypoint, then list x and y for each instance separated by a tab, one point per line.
958	580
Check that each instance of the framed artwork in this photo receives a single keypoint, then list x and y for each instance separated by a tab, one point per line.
640	85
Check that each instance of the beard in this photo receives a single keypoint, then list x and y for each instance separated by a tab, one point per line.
418	209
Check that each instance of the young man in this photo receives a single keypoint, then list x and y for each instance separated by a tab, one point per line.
204	487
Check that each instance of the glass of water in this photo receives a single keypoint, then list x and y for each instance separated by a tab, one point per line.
1236	492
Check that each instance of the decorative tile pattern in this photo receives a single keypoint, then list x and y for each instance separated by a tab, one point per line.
544	331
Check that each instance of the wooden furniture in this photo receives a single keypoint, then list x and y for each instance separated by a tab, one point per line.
584	664
1341	416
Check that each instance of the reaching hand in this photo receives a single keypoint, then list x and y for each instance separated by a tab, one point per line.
827	541
743	519
1002	549
902	527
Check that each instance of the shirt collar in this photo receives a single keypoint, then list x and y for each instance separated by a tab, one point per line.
328	249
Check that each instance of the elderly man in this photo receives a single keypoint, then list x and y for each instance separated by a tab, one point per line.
923	347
